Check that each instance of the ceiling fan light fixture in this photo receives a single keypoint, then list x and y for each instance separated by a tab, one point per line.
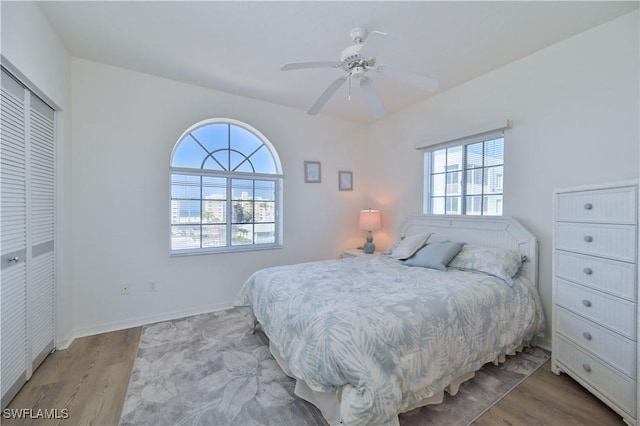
357	72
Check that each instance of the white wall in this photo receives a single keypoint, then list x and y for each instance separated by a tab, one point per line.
575	112
574	107
34	53
125	125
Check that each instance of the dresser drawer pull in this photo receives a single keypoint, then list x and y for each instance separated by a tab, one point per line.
588	238
587	368
586	303
586	335
588	206
588	271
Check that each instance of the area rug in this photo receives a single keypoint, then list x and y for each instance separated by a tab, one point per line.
211	370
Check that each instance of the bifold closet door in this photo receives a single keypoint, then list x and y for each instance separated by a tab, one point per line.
27	217
13	241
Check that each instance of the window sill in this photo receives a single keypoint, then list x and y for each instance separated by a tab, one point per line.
223	250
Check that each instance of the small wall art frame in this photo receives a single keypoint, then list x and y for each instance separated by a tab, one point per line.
312	172
345	181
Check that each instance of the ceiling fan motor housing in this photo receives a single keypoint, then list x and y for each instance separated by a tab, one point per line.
351	59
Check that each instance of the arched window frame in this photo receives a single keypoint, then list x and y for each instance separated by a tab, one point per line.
230	177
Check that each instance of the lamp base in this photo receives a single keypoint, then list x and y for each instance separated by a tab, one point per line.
369	247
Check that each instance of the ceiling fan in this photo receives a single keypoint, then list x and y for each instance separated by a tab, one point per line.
357	61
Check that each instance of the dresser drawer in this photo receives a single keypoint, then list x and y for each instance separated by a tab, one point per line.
610	311
615	386
609	346
611	241
607	206
614	277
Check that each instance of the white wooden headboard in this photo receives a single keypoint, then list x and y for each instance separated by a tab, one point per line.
490	231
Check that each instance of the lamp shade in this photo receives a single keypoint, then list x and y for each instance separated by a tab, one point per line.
369	220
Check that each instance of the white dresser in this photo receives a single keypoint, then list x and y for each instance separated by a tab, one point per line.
595	294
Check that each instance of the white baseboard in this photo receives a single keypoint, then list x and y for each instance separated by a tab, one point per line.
137	322
64	342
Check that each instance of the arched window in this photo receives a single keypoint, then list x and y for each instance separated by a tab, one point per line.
226	189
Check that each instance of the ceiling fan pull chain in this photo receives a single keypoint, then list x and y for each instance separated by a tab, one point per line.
349	97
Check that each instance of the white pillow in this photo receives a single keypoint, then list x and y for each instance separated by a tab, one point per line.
409	245
501	263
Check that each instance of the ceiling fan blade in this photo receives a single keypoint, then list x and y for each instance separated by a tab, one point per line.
374	102
329	91
373	43
416	80
305	65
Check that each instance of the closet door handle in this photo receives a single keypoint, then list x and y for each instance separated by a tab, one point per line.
587	368
13	259
586	335
586	303
588	271
588	206
588	238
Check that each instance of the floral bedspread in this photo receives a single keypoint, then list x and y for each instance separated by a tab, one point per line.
390	334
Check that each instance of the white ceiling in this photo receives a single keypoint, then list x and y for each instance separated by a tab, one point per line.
239	46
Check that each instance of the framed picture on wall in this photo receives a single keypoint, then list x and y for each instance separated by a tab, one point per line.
312	172
345	181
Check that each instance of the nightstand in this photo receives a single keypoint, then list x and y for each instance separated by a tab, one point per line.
356	253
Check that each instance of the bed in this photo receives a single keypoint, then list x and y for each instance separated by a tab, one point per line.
369	337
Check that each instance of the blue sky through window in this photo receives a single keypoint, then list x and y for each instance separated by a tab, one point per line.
223	147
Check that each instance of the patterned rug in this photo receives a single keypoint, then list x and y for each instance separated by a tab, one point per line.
210	370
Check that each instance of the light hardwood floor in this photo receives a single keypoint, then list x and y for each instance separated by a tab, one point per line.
90	379
547	399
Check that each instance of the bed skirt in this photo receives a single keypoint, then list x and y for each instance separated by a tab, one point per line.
329	402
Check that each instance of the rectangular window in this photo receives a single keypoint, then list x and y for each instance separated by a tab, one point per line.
209	212
465	179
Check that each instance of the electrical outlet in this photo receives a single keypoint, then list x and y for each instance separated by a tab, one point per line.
125	289
153	286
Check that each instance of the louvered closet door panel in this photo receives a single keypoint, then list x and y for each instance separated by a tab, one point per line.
41	230
13	213
14	331
12	164
41	307
42	182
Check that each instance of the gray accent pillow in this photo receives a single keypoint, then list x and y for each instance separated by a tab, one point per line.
435	256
